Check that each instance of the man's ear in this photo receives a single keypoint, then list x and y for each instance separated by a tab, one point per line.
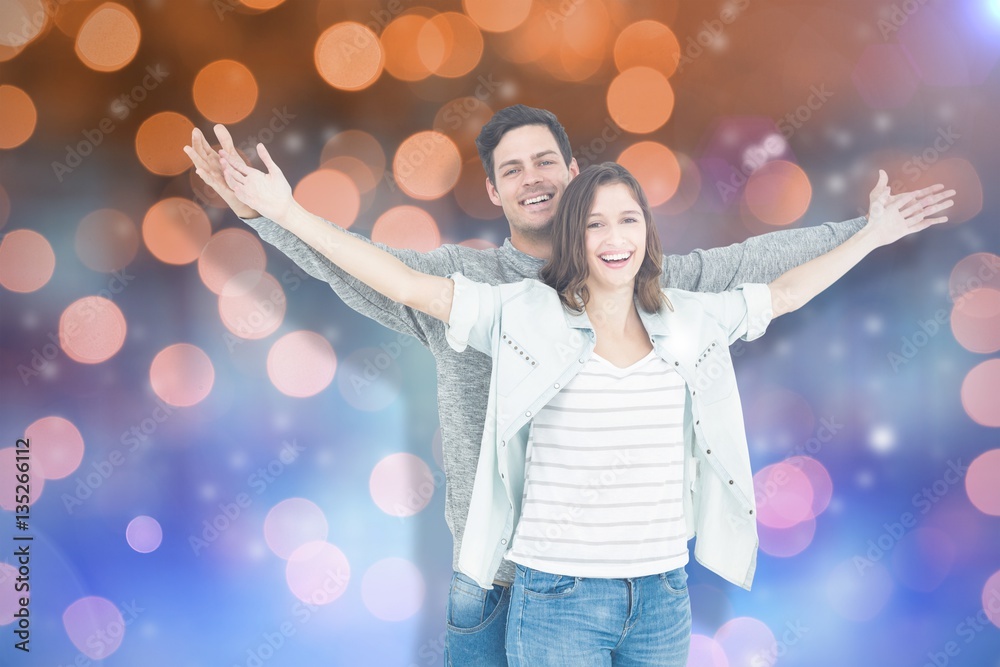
492	192
574	168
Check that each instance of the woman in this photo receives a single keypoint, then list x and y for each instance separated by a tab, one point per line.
614	430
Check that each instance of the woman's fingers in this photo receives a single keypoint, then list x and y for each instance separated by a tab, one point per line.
202	167
232	176
235	162
922	217
926	202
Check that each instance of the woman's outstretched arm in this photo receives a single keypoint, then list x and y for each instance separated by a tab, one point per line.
891	218
271	195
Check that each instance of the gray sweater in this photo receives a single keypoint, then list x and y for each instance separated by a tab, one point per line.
463	379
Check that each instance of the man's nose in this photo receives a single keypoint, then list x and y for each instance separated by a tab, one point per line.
532	175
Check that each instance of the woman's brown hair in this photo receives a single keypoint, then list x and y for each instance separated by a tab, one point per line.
566	271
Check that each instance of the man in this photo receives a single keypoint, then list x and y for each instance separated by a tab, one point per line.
528	162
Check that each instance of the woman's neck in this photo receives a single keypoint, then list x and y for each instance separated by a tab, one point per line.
612	311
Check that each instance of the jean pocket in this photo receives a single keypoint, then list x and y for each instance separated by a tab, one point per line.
471	608
675	581
545	586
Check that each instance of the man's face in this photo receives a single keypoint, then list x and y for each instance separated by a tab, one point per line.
530	178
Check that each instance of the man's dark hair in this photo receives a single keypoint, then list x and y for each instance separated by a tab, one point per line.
511	118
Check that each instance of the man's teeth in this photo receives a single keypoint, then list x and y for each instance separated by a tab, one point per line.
617	257
539	198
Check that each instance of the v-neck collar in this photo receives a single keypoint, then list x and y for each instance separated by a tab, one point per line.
631	366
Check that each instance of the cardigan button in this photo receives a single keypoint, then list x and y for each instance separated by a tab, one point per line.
528	413
556	385
677	363
730	481
708	451
697	422
503	541
751	511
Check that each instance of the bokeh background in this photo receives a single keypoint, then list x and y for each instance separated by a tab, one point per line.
230	467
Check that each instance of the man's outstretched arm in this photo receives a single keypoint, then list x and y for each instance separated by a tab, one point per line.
353	292
761	259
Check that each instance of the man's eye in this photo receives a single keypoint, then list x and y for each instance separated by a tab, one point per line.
509	172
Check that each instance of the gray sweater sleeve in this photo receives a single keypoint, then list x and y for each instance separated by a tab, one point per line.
759	259
357	295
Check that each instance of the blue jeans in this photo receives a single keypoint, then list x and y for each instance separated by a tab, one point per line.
476	624
584	622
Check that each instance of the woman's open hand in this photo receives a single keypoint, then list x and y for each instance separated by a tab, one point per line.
269	193
209	168
891	217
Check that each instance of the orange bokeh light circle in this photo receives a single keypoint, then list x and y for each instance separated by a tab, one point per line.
349	56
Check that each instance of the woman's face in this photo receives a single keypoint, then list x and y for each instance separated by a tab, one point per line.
615	238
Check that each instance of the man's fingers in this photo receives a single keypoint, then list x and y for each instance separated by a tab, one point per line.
225	139
880	192
883	180
197	137
235	161
923	192
266	157
925	223
930	189
196	158
230	177
234	176
926	211
907	208
935	198
901	201
201	145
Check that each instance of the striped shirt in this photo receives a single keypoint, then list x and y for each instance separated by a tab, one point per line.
604	475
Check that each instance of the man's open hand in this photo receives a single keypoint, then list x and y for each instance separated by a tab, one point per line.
208	166
269	193
891	217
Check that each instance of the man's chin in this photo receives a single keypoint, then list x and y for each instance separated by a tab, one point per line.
535	228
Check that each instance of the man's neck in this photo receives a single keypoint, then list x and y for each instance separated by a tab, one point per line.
538	246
